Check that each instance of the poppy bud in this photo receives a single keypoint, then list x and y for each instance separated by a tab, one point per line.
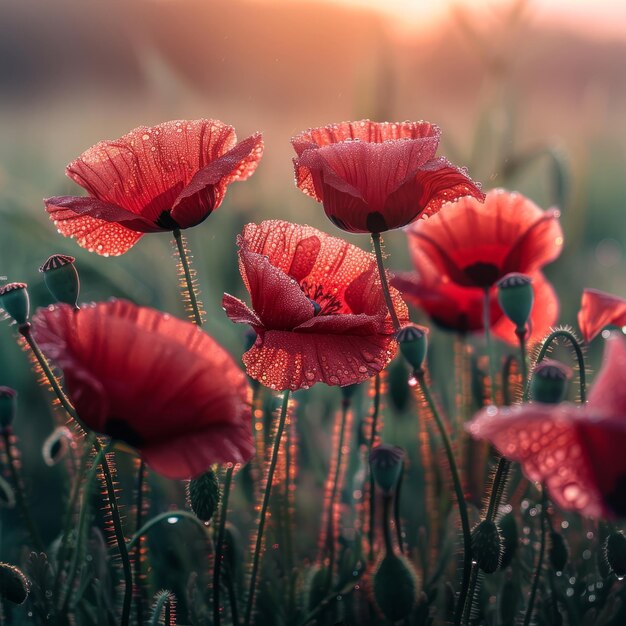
56	446
13	584
487	546
559	551
508	532
413	341
203	494
8	406
615	551
549	382
14	300
61	278
516	296
394	586
386	465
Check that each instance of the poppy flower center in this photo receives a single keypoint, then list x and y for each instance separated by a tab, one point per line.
327	303
121	430
482	274
165	220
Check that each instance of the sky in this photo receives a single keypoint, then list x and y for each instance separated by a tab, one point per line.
600	17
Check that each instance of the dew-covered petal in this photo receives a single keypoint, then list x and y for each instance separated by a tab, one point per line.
608	394
239	312
292	360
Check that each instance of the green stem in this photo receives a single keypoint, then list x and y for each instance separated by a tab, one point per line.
396	512
141	477
489	340
182	253
80	532
542	549
161	517
383	280
232	597
387	501
19	493
162	605
565	334
521	335
330	532
24	329
506	372
458	489
219	545
372	493
263	515
71	507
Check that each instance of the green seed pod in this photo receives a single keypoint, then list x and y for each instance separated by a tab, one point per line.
413	342
516	297
549	382
203	494
61	278
8	406
386	464
487	546
394	587
13	584
510	538
559	552
14	300
615	551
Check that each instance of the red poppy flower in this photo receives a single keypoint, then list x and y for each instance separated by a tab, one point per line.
372	177
577	451
318	308
158	383
599	309
466	249
153	179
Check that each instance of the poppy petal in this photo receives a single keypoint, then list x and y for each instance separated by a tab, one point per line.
147	378
96	235
292	360
276	298
547	443
205	191
599	309
145	170
239	312
608	395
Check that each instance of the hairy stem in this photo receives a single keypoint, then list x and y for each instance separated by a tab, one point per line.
219	544
383	280
184	260
542	549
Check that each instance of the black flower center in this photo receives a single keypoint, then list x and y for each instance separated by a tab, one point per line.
121	430
482	274
327	303
166	221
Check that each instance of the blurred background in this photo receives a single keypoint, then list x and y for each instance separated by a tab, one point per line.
530	95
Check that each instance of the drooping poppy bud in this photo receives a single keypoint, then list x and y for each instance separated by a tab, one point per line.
394	586
8	406
487	546
413	342
386	464
516	297
14	300
615	551
61	278
13	584
204	495
559	552
549	382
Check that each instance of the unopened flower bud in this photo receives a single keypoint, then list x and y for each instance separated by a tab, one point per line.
394	587
615	551
8	406
516	297
14	300
487	546
204	495
559	551
13	584
61	278
386	464
549	382
413	342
